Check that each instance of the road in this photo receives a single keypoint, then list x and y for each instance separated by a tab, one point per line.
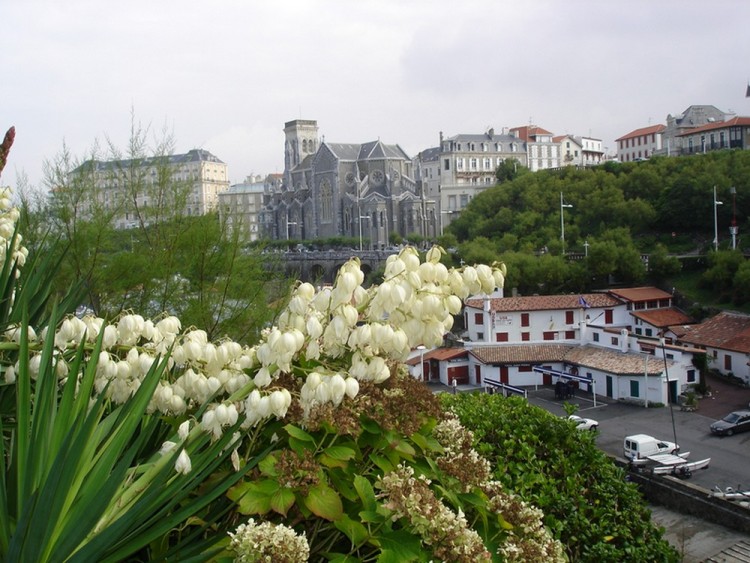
730	456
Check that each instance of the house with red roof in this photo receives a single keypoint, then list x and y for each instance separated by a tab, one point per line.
609	342
542	151
640	144
730	134
726	339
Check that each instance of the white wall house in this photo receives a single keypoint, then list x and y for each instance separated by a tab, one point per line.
640	144
726	340
528	341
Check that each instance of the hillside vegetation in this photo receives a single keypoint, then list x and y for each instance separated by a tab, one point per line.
663	207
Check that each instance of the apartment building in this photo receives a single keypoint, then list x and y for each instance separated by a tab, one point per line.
131	190
640	144
242	205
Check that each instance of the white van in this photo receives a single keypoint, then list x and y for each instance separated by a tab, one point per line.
639	446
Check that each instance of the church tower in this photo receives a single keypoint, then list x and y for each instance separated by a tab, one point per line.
301	141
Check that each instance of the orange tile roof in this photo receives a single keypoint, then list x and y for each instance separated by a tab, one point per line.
544	302
637	294
527	132
727	330
734	122
643	131
439	354
521	353
663	318
594	357
618	363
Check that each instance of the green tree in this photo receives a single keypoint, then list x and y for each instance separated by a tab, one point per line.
662	266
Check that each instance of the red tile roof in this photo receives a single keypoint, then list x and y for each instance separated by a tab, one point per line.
638	294
527	132
614	362
520	353
643	131
544	302
439	354
734	122
663	318
594	357
728	331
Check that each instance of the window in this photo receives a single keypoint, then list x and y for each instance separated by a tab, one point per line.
570	334
548	335
569	319
501	337
524	319
727	362
691	376
326	202
478	318
615	341
524	369
480	336
634	389
525	336
608	316
447	163
473	163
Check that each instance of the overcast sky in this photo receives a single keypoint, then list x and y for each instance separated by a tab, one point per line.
224	75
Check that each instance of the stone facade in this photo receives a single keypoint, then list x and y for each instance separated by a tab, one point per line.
365	191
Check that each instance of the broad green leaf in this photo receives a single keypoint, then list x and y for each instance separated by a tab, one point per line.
323	501
282	500
383	463
372	516
342	453
268	466
354	530
366	492
296	432
400	544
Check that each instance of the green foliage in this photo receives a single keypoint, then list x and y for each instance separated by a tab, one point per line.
587	502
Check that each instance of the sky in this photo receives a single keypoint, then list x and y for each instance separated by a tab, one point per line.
225	75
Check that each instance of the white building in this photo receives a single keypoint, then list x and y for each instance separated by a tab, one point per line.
536	340
640	144
542	152
726	340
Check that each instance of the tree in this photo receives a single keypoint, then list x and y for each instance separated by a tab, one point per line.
164	261
661	266
509	170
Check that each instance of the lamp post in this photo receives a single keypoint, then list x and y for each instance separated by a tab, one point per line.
716	225
586	248
733	229
361	218
563	205
421	349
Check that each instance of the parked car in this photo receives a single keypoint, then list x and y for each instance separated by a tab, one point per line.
737	421
640	446
584	423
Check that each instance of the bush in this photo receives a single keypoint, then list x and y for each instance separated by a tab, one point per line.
587	502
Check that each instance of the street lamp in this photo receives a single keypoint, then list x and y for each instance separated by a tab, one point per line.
360	219
733	229
716	227
586	248
562	221
421	349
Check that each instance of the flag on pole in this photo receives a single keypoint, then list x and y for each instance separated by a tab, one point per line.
582	302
